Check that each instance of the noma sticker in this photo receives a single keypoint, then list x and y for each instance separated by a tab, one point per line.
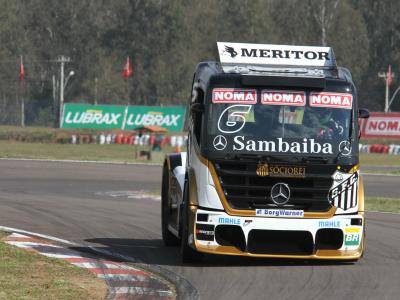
293	98
334	100
234	96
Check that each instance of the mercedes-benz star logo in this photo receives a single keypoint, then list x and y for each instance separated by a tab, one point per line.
220	142
345	148
280	193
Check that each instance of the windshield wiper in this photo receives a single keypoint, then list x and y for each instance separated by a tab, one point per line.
314	159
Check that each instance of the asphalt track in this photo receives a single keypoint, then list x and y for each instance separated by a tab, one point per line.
83	202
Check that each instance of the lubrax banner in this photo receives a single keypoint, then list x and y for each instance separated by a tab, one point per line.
122	117
283	55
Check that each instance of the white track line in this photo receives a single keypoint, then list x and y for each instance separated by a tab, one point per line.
31	244
141	291
53	255
83	161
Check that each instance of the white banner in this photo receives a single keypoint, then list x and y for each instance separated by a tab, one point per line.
382	125
284	55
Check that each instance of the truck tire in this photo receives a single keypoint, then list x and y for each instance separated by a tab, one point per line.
168	238
189	255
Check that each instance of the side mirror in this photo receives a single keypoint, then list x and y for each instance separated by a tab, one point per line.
196	108
363	113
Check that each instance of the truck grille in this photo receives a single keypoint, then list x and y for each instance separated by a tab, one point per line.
245	190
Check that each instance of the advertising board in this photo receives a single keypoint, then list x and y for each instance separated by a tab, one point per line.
122	117
381	125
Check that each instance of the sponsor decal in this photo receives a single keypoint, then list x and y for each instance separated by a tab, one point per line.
247	222
291	98
338	177
205	232
235	116
287	171
225	95
230	221
345	148
170	117
153	118
280	213
344	194
262	169
220	142
333	100
242	53
230	51
307	146
352	236
93	116
329	224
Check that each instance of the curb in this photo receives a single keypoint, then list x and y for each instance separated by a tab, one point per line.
123	281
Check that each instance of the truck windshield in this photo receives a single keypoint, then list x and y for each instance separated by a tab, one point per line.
286	129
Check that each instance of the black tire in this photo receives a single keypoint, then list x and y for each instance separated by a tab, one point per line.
168	238
188	254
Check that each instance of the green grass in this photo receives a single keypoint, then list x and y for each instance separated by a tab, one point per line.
376	159
120	153
386	141
28	275
377	171
382	204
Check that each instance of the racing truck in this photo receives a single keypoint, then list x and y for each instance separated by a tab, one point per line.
271	167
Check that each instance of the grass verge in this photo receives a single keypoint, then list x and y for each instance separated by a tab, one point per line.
377	171
28	275
376	159
382	204
120	153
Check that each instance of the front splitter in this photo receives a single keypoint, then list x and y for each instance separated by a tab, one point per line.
342	222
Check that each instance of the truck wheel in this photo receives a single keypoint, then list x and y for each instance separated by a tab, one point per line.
189	255
168	238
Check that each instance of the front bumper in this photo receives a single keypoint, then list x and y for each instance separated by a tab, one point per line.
340	237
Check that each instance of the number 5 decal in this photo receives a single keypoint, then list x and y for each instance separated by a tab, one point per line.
235	119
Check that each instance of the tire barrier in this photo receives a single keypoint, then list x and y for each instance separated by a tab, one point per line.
380	148
176	141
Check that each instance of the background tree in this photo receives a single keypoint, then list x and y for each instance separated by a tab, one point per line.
166	39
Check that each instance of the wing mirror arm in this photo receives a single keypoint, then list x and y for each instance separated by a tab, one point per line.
197	108
363	113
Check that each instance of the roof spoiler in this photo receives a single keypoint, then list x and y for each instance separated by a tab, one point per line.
237	54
